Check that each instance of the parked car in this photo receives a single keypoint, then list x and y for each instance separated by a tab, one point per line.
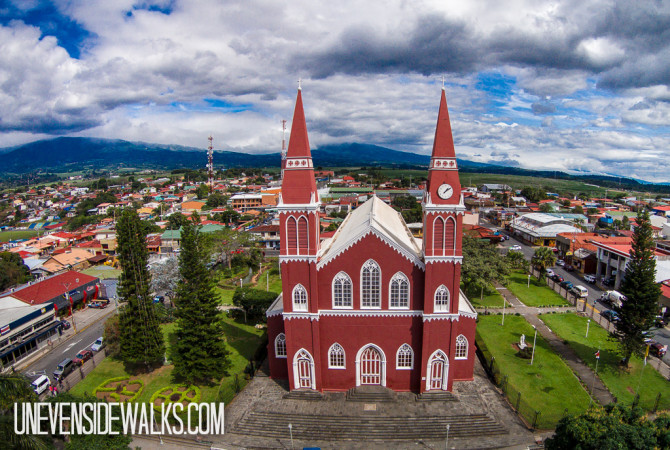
568	268
566	284
515	248
98	344
610	315
660	322
65	324
63	369
557	278
82	357
550	273
560	262
609	281
98	305
159	299
580	291
590	278
41	384
657	349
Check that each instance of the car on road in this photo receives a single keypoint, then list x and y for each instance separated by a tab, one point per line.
560	262
41	384
567	284
590	279
660	322
82	357
98	344
556	277
63	369
568	268
65	324
98	305
610	315
657	349
515	248
550	273
612	298
609	281
579	291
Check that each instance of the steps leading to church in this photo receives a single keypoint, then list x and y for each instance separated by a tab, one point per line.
436	396
370	394
326	428
304	394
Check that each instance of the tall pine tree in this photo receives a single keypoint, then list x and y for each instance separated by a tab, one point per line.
141	339
199	352
637	312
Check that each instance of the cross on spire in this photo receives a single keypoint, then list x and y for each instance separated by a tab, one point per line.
443	80
299	84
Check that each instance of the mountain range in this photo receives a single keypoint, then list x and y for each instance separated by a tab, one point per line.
67	154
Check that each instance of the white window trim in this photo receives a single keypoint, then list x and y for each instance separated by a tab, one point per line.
439	251
380	285
276	342
383	363
296	375
441	311
400	276
466	347
344	357
397	354
300	307
332	291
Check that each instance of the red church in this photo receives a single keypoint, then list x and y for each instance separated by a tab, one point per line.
372	305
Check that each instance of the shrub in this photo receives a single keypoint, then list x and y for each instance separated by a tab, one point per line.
120	389
525	353
175	395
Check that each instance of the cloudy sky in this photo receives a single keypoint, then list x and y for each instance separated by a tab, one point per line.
578	85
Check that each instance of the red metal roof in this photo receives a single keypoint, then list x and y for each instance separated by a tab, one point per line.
53	287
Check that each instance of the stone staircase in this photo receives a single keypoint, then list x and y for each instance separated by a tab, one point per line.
370	394
304	394
436	396
311	427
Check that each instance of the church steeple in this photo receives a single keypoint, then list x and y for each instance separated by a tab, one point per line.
443	184
299	186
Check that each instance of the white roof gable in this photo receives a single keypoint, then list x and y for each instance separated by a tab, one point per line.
373	216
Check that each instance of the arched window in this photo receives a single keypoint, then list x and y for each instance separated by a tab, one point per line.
336	358
450	236
299	298
404	359
280	346
461	347
442	299
438	236
303	236
291	235
399	291
342	291
370	285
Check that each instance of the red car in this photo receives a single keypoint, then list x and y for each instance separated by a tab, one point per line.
82	357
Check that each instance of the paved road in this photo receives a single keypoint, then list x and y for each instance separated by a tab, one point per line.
66	349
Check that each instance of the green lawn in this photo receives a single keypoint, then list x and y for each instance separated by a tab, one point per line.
491	298
6	236
243	340
622	383
538	294
226	295
548	386
102	272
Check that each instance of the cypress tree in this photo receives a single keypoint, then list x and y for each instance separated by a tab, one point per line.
199	352
141	339
637	312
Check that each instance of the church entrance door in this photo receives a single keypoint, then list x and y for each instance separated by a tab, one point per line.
305	373
371	366
438	367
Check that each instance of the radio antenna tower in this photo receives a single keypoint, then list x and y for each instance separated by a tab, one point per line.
283	147
210	164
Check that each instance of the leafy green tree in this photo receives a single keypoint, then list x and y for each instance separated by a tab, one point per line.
409	207
223	244
15	388
638	310
141	339
517	261
12	270
199	352
202	191
254	302
533	194
625	223
578	209
112	335
612	427
546	208
215	200
482	265
176	220
542	259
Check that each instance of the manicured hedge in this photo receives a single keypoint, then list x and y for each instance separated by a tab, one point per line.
112	390
183	397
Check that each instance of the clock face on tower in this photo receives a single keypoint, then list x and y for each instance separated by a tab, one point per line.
445	191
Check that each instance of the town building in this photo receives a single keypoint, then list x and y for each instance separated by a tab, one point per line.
542	228
372	305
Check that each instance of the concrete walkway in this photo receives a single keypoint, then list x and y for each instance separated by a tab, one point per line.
585	374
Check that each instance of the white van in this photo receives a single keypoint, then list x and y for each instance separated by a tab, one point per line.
580	291
41	384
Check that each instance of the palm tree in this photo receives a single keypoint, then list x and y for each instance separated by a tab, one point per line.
15	388
543	258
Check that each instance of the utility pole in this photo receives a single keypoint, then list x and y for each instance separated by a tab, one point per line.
210	164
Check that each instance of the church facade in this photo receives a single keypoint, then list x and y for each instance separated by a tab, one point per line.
372	305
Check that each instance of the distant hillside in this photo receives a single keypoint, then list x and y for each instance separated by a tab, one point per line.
76	154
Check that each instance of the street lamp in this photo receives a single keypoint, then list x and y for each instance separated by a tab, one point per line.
528	281
446	443
290	430
69	299
588	322
532	357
